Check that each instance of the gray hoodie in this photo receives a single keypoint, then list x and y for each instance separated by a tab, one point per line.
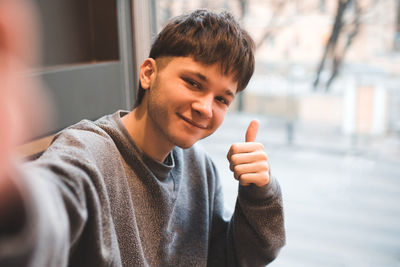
94	199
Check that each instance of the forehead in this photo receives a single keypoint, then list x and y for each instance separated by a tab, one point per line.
189	65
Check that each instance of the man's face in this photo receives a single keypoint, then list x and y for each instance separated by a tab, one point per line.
187	100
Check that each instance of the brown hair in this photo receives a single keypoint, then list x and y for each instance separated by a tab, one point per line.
209	38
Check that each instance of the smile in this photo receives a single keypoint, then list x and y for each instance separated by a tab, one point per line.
193	123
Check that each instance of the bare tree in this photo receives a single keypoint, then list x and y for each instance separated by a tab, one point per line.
243	4
335	50
272	28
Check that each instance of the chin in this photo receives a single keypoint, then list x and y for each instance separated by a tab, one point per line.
187	143
185	146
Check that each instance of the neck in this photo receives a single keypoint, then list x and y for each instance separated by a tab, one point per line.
145	134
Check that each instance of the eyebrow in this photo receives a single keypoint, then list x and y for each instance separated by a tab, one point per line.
205	79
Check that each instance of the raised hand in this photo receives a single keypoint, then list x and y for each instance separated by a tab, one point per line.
248	160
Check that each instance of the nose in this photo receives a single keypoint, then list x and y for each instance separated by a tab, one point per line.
203	106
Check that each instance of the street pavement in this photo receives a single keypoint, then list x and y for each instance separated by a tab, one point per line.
341	194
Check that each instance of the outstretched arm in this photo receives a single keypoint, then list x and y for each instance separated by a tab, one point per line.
19	110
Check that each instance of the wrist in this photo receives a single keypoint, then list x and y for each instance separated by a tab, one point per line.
254	193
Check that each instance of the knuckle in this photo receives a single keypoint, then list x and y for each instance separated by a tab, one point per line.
262	181
263	155
234	148
265	166
243	180
235	158
260	146
266	178
236	169
229	154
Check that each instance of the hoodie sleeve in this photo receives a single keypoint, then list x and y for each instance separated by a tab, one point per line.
58	190
255	233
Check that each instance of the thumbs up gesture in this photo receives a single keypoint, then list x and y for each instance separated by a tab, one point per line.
248	160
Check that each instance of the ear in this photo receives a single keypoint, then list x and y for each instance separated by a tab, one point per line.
148	71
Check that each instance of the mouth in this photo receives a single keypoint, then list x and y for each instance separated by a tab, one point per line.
193	123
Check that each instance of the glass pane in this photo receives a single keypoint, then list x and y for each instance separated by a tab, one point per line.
82	67
77	31
327	93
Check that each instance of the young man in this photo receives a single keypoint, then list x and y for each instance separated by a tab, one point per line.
133	189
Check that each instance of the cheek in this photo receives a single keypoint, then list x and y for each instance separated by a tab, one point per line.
219	115
172	93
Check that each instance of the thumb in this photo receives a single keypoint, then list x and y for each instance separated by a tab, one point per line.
252	130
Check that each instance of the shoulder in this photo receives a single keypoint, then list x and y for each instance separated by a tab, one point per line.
85	132
84	139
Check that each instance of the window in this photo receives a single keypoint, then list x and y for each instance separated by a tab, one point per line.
87	64
334	151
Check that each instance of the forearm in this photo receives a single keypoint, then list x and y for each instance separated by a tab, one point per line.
258	225
42	236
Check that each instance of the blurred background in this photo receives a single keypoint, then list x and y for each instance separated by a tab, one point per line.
326	90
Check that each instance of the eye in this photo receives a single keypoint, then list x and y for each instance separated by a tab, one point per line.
222	100
192	83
